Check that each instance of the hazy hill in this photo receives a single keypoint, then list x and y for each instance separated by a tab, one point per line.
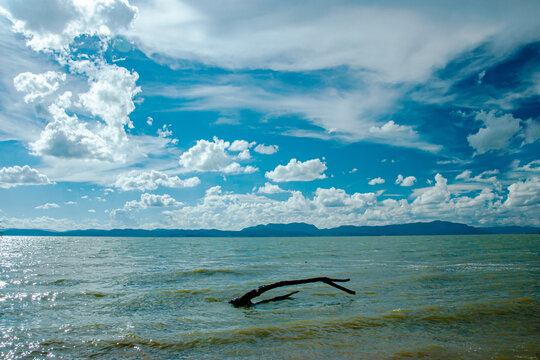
293	229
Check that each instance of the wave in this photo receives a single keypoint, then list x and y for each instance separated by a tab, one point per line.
177	275
311	329
97	294
186	291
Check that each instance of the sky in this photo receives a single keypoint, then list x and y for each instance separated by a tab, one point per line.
202	114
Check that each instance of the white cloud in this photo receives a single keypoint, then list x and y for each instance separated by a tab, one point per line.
348	115
150	180
51	223
267	150
125	214
218	209
240	145
67	137
391	128
298	171
333	207
25	175
485	176
533	166
524	193
152	200
376	181
235	168
110	98
92	211
52	25
37	85
164	132
382	63
47	206
213	156
149	121
206	156
336	34
496	134
408	181
70	203
111	93
437	194
532	131
269	188
338	197
400	135
464	175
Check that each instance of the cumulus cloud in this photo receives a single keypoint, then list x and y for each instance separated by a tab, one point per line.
338	197
67	137
496	133
150	180
110	98
152	200
25	175
437	194
334	207
219	209
298	171
376	181
38	85
269	188
47	206
111	93
240	145
267	150
125	214
52	25
214	156
524	193
235	168
408	181
391	128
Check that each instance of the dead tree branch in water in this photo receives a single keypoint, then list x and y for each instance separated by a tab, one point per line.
245	300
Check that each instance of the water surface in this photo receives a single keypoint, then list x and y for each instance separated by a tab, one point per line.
433	297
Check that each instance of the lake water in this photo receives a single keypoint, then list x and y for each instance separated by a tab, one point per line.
431	297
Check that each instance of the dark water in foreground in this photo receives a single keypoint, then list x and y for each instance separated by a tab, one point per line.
438	297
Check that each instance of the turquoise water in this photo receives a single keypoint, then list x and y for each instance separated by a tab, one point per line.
431	297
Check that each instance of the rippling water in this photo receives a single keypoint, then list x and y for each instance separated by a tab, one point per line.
432	297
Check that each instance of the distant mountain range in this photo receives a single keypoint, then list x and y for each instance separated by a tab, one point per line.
294	229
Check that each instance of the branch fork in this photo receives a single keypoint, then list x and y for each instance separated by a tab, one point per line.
245	300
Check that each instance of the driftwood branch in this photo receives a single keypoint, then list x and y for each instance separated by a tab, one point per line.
245	300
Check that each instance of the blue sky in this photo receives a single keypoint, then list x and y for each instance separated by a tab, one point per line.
204	114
